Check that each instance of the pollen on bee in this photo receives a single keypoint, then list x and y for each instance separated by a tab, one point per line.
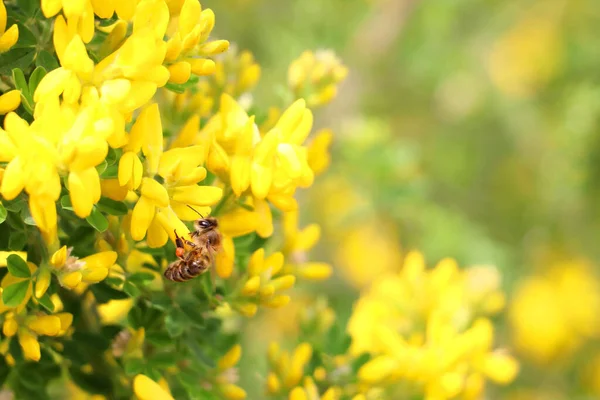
179	252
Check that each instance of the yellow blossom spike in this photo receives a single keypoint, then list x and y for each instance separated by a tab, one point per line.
231	358
146	389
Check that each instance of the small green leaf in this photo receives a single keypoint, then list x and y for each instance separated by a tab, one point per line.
131	289
15	58
14	205
26	38
97	220
46	60
175	322
163	359
65	203
46	302
110	172
91	383
177	88
104	293
19	81
17	266
35	78
360	361
4	371
3	213
112	207
17	240
114	281
159	338
26	216
140	277
134	366
14	294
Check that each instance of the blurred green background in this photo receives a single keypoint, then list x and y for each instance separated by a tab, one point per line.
466	128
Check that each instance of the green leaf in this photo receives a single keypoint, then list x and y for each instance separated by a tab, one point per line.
194	314
47	60
3	213
110	172
21	84
134	366
35	78
91	383
175	322
65	203
177	88
17	266
112	207
159	338
14	294
97	220
164	359
14	205
26	38
140	277
104	293
131	289
46	302
15	58
20	81
17	240
360	361
4	371
114	281
26	216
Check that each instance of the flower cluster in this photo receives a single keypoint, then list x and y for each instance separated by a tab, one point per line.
131	122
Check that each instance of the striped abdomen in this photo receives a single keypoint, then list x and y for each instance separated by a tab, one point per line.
195	263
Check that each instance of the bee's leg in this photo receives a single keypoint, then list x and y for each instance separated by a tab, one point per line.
180	250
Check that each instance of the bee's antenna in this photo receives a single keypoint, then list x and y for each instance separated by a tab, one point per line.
196	211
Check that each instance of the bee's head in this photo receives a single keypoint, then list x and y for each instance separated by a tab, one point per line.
204	224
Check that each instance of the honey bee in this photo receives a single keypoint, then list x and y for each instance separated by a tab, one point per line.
205	243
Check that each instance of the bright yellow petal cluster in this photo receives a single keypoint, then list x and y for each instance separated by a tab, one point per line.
422	326
264	283
8	37
187	47
27	328
71	271
316	76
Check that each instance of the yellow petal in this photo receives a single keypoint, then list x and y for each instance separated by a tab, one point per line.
130	170
9	101
146	389
277	301
197	195
251	286
81	196
43	211
180	72
30	345
231	358
202	66
189	16
13	180
261	178
42	282
264	226
298	394
155	192
4	256
315	271
501	368
9	38
256	263
48	325
157	236
283	282
142	215
233	392
9	328
71	280
377	369
238	222
225	258
113	190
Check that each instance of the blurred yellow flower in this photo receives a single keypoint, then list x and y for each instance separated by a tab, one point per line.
552	314
146	389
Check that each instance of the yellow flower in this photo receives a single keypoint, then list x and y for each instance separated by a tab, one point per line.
316	76
71	271
9	37
264	283
287	371
551	314
161	207
146	389
29	327
421	325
